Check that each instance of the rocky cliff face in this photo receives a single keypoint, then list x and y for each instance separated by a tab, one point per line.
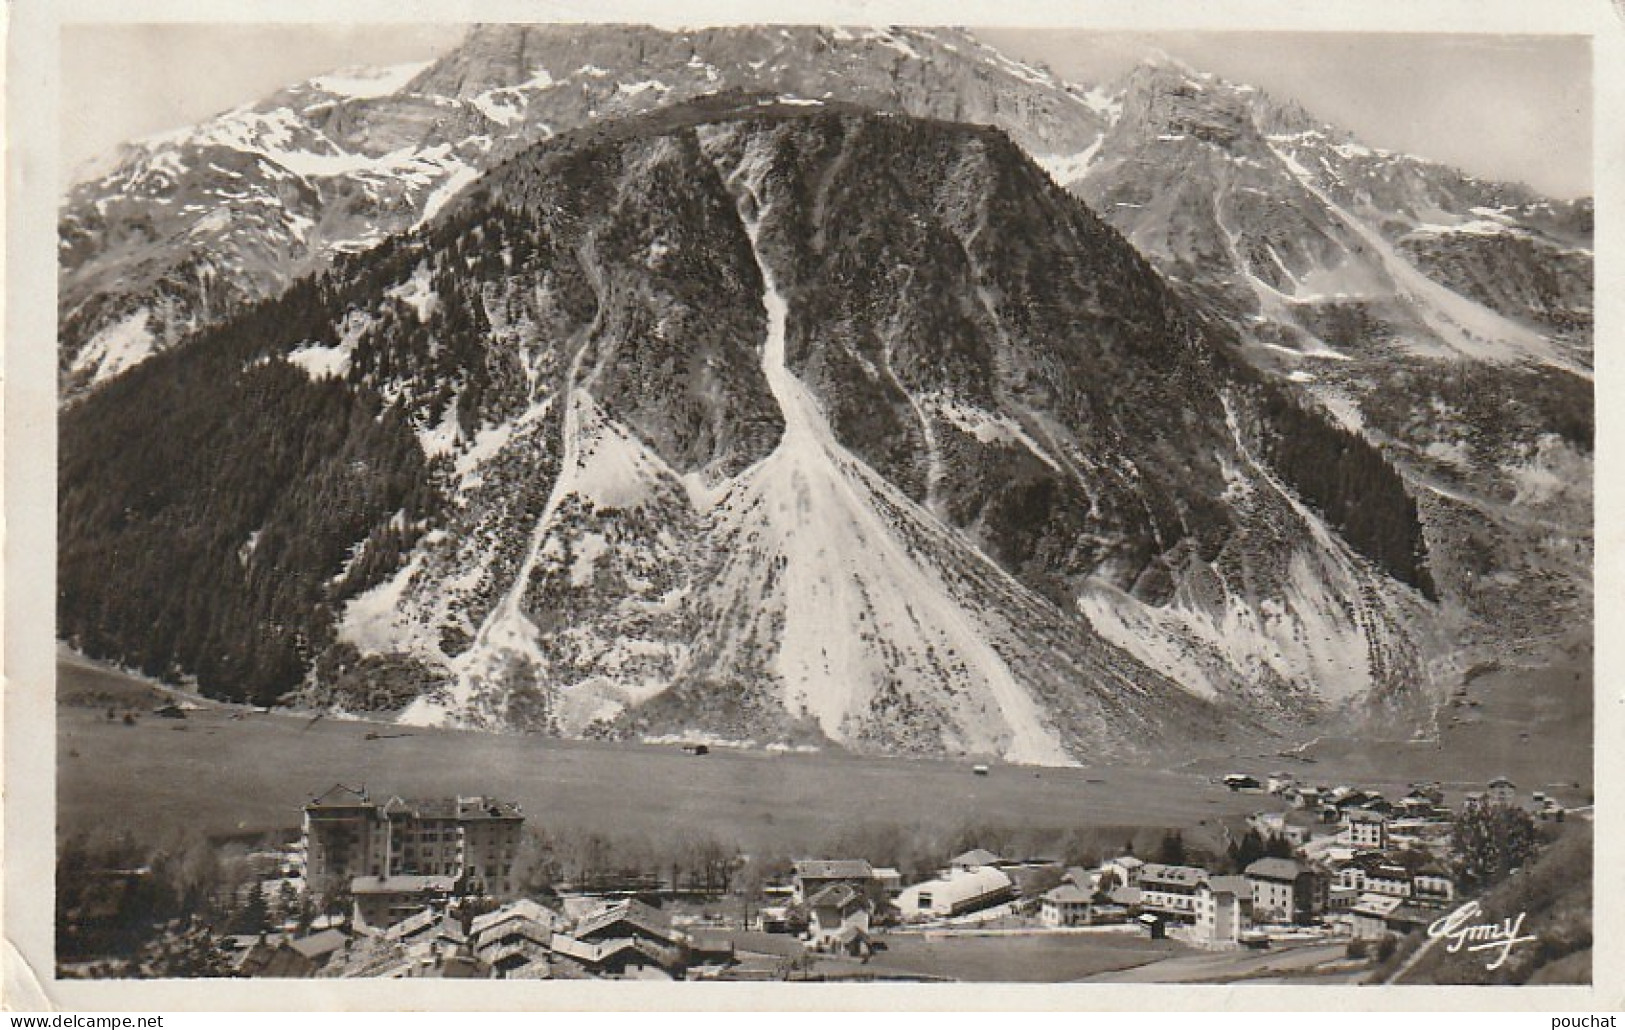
190	223
684	418
1443	317
732	436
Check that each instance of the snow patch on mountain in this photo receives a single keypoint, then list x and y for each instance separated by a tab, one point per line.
322	361
503	106
1465	327
986	426
119	346
1066	169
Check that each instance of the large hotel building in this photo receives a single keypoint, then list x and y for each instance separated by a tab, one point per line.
472	839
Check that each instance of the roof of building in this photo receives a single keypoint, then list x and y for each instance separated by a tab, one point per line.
462	809
1412	915
1285	870
1127	862
340	796
1365	815
841	895
1236	885
975	857
318	944
632	911
1181	875
834	869
1069	894
413	925
1378	905
963	885
1125	895
524	908
1502	781
402	884
570	947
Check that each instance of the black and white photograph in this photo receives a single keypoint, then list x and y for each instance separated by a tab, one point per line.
803	502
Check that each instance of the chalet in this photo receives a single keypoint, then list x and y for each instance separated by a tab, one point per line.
957	893
840	915
1501	791
513	939
1283	890
710	956
1170	889
1219	910
1066	905
1280	782
1126	868
1432	791
300	957
1415	806
629	918
1394	881
1355	873
383	901
1432	885
627	939
1368	830
1376	916
1241	781
813	875
632	958
1341	899
1303	797
1081	878
1292	827
1369	916
415	929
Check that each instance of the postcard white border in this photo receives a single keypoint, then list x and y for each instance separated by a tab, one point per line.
28	569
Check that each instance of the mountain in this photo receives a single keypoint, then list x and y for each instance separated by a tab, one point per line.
1445	318
190	224
690	422
1379	472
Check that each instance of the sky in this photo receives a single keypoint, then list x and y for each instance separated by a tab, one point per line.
1505	107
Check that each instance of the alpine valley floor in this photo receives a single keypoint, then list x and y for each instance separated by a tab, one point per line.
162	776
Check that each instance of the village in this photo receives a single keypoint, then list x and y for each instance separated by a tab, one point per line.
394	887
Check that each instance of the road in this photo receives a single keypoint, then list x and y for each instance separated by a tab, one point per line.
1228	966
